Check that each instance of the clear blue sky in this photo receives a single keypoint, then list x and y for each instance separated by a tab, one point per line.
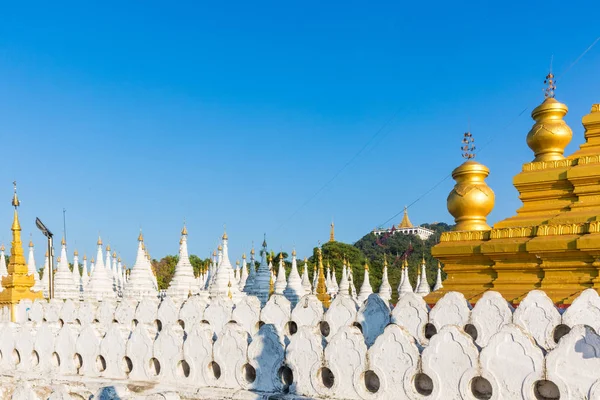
134	114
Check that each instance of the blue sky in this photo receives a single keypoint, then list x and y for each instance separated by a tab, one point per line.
148	113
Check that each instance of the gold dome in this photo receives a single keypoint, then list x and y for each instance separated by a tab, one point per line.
550	134
63	242
99	241
108	247
114	254
140	237
252	252
214	253
471	200
220	248
294	253
184	230
85	256
75	253
244	256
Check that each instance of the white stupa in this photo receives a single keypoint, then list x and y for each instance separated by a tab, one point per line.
385	289
244	273
353	292
249	284
405	286
365	288
45	284
140	284
423	288
64	286
85	275
100	285
305	279
184	282
344	288
224	283
262	283
294	289
280	282
3	269
32	269
75	272
438	280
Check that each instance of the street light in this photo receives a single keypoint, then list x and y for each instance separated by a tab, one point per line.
49	235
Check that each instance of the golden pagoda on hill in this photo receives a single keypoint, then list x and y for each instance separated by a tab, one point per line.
553	242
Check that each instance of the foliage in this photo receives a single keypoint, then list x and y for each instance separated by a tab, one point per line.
165	268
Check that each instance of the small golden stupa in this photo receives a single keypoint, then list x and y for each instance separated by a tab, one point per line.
553	242
17	284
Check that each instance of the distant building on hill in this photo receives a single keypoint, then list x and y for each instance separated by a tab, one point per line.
405	227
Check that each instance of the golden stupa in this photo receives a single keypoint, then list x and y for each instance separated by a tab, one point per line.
17	284
553	242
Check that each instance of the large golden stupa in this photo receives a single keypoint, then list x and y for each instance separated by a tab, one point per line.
553	242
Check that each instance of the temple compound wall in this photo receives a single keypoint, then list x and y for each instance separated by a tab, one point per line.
213	349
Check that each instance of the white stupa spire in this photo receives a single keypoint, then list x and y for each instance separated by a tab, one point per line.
32	270
385	289
113	268
100	285
140	284
335	288
344	287
183	282
120	279
46	277
328	285
75	272
305	279
236	272
353	292
438	280
365	288
64	287
3	269
224	282
244	273
250	281
405	286
294	289
315	280
423	288
280	282
262	283
418	279
85	275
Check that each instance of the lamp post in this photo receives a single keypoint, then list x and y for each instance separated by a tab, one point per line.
49	235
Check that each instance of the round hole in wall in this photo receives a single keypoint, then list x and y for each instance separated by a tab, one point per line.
78	361
326	377
61	323
114	321
324	327
286	375
55	359
95	321
16	357
560	331
100	364
291	327
481	388
215	369
154	367
183	369
430	330
35	358
77	321
127	365
249	373
372	382
423	384
181	324
205	322
546	390
471	331
158	325
358	325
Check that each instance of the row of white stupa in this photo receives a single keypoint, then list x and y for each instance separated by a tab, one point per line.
108	280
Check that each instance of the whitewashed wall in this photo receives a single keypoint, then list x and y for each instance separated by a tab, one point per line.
215	349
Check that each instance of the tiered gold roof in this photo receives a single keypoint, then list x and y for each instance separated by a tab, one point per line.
553	241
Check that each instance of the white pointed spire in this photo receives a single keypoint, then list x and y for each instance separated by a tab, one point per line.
385	289
305	279
344	288
280	282
224	281
85	275
75	272
294	289
46	277
405	286
3	269
244	273
183	282
418	279
262	283
315	280
328	285
120	279
236	272
438	280
140	284
423	288
100	285
249	284
353	292
32	269
64	287
365	288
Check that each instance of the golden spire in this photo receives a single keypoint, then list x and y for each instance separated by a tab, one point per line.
108	247
237	263
252	252
385	263
2	247
16	226
85	256
332	233
220	248
62	242
550	134
76	253
214	253
321	291
184	230
93	260
244	256
405	223
271	284
114	254
140	237
366	266
99	243
30	240
293	252
224	234
119	259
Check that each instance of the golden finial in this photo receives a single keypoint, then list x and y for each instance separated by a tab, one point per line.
264	244
46	253
85	257
15	201
220	248
321	291
237	262
93	260
224	232
244	256
62	242
108	247
468	147
184	230
99	243
30	240
366	266
405	223
76	253
550	85
332	233
305	259
143	246
294	253
252	252
119	259
58	259
214	253
2	247
385	263
114	254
